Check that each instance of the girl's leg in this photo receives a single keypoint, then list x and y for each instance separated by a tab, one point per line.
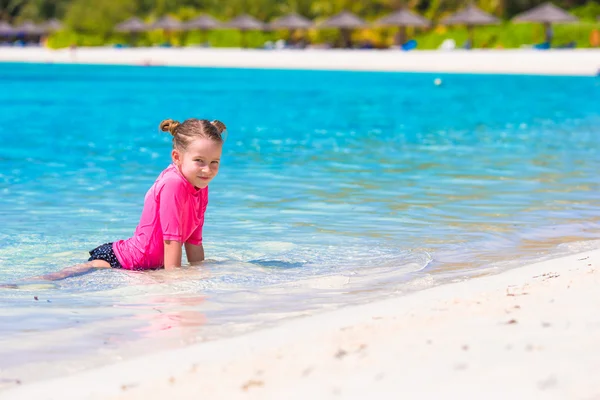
75	270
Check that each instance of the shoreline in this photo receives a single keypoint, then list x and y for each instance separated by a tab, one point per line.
527	332
569	62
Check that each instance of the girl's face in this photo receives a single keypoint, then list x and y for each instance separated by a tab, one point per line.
199	163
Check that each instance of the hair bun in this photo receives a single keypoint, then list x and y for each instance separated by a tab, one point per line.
219	125
169	125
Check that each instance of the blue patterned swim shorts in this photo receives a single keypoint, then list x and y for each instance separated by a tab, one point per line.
105	252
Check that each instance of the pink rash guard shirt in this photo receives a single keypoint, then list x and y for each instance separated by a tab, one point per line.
173	210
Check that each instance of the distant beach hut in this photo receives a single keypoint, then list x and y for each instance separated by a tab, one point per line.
204	24
245	23
345	21
292	22
402	19
546	14
471	16
133	26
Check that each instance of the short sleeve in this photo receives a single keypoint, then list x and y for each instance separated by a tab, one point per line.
171	201
196	236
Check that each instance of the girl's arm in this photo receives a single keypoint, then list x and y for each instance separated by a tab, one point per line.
194	253
172	254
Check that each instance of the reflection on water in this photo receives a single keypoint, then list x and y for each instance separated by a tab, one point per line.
172	313
335	188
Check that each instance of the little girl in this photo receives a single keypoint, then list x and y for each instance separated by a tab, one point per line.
174	207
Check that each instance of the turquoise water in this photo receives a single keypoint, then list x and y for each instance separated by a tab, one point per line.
335	188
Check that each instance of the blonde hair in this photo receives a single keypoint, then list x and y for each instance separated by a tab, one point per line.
186	131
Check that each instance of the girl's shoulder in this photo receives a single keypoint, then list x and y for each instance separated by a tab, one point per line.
169	179
170	171
171	182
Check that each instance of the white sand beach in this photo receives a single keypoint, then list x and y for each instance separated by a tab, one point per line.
528	333
523	61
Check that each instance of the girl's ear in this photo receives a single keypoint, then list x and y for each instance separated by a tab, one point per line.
176	157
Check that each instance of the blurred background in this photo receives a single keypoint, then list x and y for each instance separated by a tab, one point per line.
408	24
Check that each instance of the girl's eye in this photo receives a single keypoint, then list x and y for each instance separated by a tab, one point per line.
215	162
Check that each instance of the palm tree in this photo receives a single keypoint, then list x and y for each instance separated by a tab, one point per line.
10	8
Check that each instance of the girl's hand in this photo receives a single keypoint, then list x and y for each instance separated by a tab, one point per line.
172	254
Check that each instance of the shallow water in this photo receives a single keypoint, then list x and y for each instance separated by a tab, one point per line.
335	188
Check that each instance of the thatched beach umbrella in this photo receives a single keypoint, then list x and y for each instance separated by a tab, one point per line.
245	23
133	26
546	14
471	16
345	22
291	22
28	28
403	18
6	29
203	23
168	23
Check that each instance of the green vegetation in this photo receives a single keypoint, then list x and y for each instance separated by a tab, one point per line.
510	35
91	22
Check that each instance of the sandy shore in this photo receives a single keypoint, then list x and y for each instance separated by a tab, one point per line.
529	333
554	62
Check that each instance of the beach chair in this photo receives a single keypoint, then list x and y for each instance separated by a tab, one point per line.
410	45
